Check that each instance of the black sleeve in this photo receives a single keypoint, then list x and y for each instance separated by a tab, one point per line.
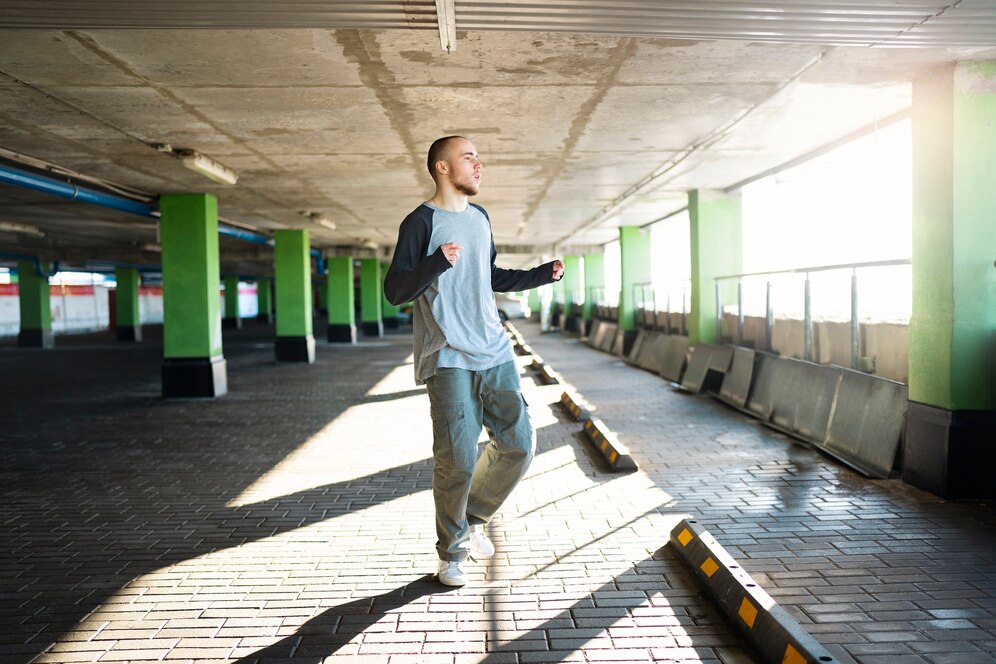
504	281
411	271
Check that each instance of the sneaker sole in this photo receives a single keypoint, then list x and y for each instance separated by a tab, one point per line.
451	582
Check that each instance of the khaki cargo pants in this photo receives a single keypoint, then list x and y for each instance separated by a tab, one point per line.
468	491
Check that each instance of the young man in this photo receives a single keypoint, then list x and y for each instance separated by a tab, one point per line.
445	262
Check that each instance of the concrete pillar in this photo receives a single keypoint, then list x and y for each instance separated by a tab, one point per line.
371	297
634	252
950	446
388	310
264	301
558	302
717	249
295	306
594	282
232	320
126	317
36	308
572	291
323	297
534	301
193	364
342	301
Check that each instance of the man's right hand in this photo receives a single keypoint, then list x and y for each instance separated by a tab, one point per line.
451	250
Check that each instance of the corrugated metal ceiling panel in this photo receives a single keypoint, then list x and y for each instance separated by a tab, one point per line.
875	23
224	14
911	22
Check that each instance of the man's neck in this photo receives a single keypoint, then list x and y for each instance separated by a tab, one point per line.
450	200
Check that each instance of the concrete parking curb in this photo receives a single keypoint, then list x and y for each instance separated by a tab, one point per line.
608	445
774	634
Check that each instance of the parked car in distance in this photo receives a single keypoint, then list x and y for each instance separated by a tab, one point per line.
512	306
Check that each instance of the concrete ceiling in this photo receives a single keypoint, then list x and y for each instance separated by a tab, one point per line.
579	132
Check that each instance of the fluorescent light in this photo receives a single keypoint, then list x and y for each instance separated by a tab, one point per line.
150	246
322	219
14	227
207	167
446	17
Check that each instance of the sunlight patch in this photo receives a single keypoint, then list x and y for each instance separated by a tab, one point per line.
349	447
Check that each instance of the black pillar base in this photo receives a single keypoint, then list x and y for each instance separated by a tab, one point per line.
129	332
372	329
296	349
950	452
341	333
231	323
36	339
391	323
265	318
195	377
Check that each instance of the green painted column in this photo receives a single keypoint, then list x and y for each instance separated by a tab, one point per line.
264	301
571	283
323	297
35	306
557	304
127	319
534	301
342	301
717	250
295	304
390	311
371	323
634	252
193	364
594	282
232	319
950	446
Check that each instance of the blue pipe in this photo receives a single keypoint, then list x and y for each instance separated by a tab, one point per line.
28	180
256	238
35	259
48	185
247	236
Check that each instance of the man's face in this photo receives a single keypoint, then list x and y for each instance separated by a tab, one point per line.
464	166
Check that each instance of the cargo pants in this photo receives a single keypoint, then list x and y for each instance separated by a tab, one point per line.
468	490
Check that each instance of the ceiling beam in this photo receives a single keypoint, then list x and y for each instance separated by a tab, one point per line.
446	16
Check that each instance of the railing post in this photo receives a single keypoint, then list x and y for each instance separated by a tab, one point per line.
740	312
667	319
854	319
653	296
808	323
684	298
769	321
719	315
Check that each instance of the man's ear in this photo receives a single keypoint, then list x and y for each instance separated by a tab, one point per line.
441	167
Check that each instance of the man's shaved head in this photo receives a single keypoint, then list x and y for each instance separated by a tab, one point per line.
437	152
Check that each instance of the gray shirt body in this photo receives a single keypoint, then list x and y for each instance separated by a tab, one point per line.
461	301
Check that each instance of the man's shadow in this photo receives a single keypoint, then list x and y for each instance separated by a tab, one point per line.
325	634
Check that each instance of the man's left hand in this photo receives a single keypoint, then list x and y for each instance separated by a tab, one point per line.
558	270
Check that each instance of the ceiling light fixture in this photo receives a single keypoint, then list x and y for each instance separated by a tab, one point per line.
322	219
446	17
14	227
206	166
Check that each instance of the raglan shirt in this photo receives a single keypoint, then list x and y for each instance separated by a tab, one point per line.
454	315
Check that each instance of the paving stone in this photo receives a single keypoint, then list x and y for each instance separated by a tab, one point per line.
291	521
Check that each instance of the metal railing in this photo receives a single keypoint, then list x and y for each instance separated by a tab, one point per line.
645	303
807	303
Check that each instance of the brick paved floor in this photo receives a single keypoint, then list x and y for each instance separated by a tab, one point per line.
291	520
878	571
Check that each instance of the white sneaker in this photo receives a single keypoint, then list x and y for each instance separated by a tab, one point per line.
480	545
450	573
